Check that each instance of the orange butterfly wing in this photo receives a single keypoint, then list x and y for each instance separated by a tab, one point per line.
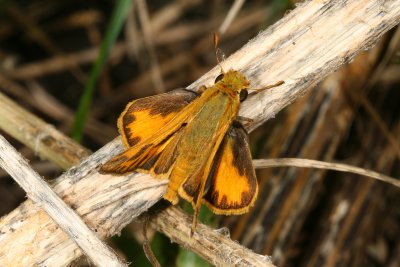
139	124
143	117
232	184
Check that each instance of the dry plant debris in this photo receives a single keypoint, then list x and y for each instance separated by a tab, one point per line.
303	217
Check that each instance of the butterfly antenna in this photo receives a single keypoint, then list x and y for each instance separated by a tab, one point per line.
268	86
217	51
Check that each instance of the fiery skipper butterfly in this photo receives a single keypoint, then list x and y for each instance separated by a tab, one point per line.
195	141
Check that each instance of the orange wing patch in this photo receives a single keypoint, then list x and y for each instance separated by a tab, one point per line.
132	158
143	117
138	125
148	158
232	184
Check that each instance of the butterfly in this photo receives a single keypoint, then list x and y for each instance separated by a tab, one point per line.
195	140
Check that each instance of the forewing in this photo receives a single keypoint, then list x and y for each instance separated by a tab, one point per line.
143	117
232	184
156	159
159	165
132	158
145	127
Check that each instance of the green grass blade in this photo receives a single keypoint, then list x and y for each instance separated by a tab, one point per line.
118	17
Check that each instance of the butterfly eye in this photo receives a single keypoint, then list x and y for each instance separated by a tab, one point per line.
243	95
219	77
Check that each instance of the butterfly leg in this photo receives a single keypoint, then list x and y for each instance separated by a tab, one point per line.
201	89
196	213
243	121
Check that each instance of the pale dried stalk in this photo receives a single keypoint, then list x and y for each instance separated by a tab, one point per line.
317	164
51	143
40	193
176	225
233	11
310	42
28	237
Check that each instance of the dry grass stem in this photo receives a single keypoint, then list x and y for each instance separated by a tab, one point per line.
233	11
313	40
225	252
316	164
44	197
41	137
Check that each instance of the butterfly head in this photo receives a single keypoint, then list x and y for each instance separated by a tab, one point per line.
233	80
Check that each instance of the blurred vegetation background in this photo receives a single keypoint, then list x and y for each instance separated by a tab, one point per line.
76	64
